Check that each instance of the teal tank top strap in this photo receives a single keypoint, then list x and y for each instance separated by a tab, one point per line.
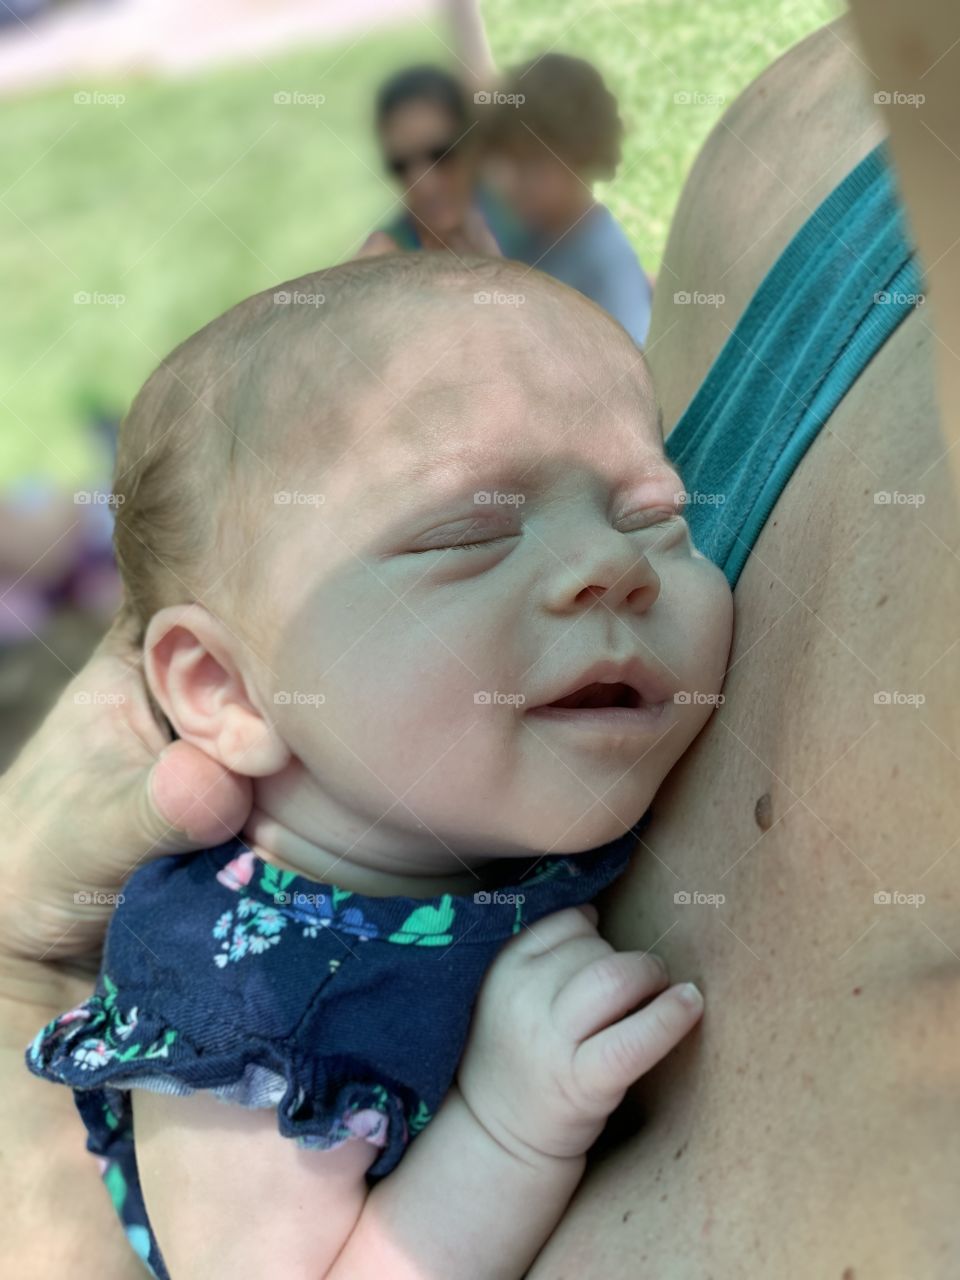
402	230
841	287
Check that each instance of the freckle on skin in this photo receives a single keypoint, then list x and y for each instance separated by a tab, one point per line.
763	812
626	1215
680	1152
883	600
848	1274
857	990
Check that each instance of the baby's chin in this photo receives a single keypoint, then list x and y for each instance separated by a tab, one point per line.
571	833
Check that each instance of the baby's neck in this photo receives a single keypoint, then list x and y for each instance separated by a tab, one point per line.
291	851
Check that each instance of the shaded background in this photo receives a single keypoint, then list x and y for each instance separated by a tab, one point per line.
153	173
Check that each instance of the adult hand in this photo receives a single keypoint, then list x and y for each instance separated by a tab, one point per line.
473	237
99	788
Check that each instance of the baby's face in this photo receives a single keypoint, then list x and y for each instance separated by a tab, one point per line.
500	531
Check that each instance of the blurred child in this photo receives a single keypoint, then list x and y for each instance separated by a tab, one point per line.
554	130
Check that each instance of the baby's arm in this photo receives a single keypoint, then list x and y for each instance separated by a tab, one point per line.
554	1044
227	1196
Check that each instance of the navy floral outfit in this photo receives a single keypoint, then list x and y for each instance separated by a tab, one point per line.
347	1014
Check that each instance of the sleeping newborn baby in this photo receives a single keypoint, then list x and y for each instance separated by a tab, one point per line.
405	549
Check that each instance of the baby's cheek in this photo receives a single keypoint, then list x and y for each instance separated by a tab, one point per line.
708	624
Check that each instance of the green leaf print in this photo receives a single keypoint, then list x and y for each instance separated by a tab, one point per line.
339	895
518	920
420	1118
274	881
427	926
159	1047
116	1184
111	990
546	871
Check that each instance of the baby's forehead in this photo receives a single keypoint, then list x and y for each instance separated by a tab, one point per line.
451	438
461	388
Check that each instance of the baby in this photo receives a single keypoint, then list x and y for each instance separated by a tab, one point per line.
406	550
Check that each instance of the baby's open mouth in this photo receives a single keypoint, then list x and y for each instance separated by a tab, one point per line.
600	694
622	698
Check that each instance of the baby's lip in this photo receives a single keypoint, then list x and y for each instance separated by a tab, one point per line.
645	685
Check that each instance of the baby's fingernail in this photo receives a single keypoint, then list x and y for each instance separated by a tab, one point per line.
691	995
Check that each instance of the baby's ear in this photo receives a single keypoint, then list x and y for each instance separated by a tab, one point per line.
190	666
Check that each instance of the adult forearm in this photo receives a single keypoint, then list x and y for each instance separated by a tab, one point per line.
460	1203
911	51
470	41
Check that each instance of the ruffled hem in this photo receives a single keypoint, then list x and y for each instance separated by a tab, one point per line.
103	1054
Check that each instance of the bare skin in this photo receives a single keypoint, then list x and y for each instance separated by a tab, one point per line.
801	1132
838	1161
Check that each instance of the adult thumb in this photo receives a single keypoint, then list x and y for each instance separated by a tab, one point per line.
192	802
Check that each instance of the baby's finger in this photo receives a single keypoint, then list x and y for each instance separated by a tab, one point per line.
608	1063
552	931
606	990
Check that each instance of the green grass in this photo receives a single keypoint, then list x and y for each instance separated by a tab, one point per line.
649	51
194	193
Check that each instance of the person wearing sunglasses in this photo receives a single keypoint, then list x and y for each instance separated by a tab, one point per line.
430	143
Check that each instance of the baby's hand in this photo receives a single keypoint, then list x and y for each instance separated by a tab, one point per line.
557	1039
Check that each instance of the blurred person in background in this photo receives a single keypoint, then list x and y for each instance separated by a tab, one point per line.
430	145
511	172
555	130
